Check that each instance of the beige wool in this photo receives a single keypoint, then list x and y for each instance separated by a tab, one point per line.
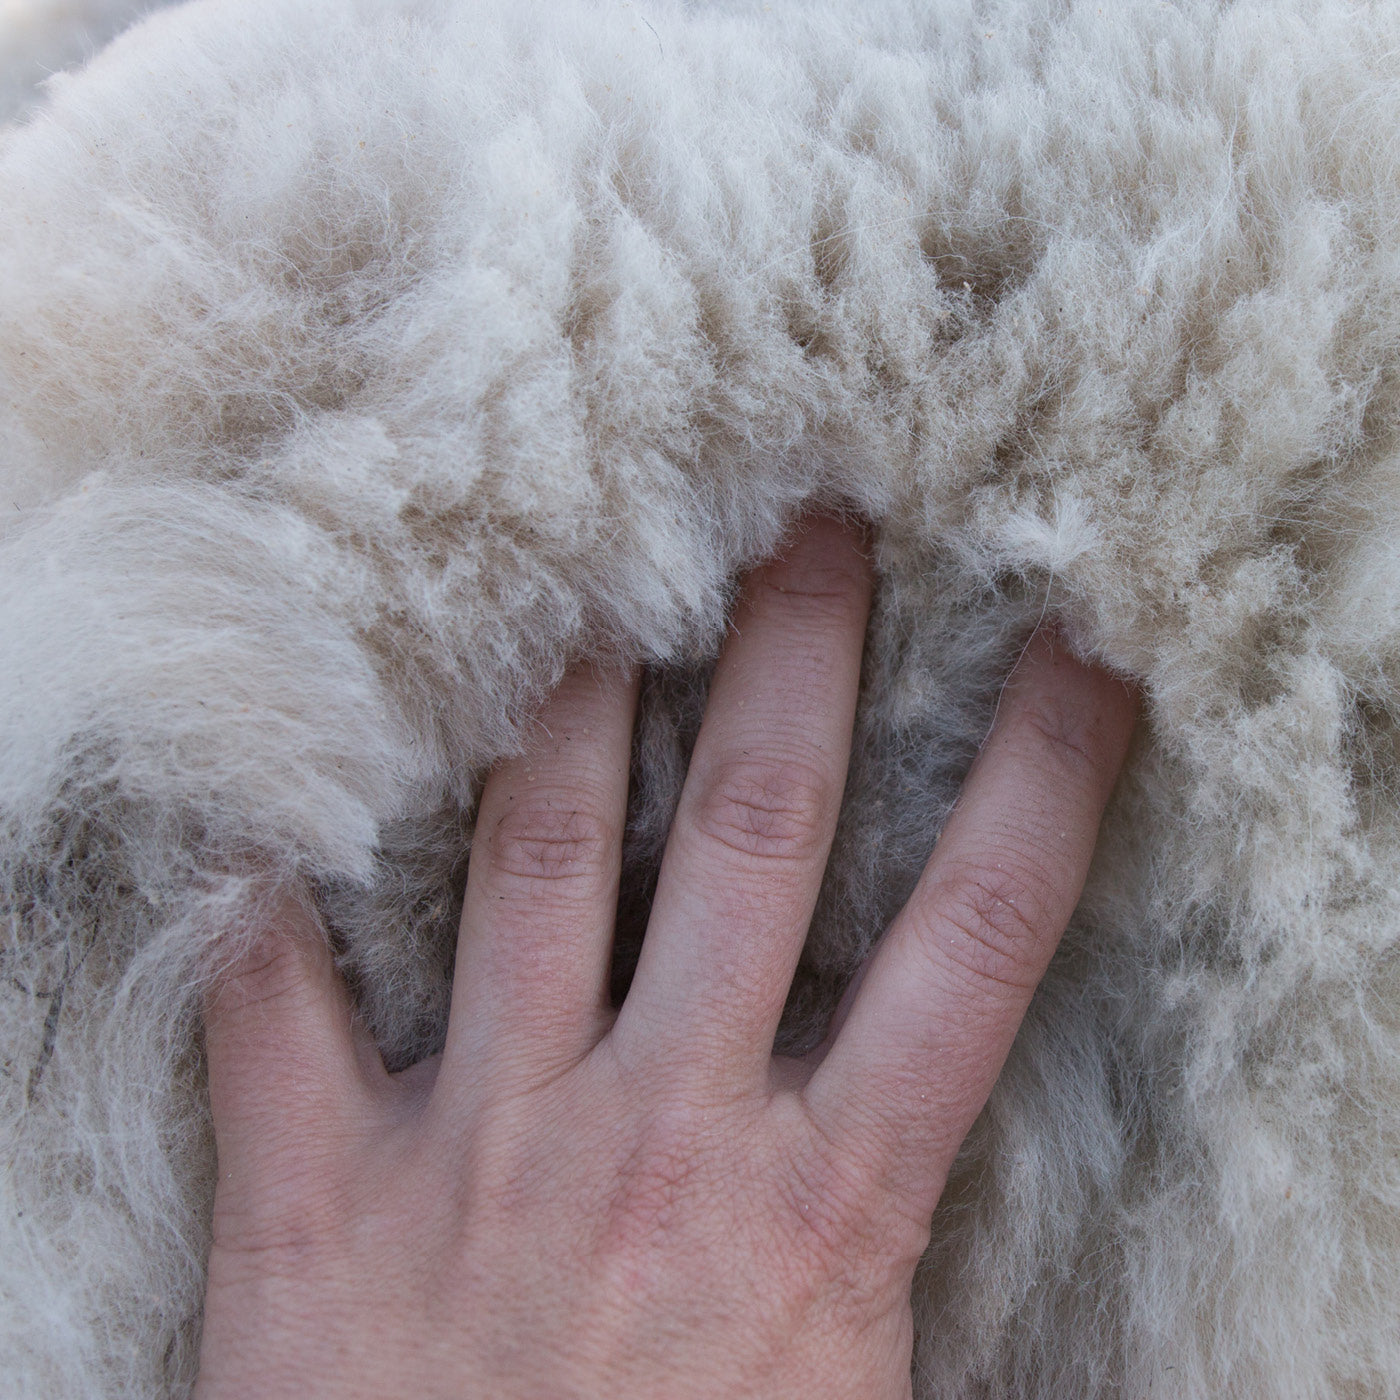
364	362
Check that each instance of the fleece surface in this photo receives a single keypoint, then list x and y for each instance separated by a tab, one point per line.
363	362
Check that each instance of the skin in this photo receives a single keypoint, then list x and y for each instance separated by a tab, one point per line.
573	1201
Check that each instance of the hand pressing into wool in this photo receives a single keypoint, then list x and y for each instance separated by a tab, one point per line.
576	1202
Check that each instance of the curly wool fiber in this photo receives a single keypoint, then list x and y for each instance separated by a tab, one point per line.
364	362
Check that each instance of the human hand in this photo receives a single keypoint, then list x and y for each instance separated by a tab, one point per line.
577	1202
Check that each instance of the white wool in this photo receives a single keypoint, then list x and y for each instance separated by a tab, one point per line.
363	362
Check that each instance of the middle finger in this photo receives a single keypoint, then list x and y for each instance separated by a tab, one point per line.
748	847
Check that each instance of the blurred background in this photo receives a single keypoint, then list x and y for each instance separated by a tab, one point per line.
42	37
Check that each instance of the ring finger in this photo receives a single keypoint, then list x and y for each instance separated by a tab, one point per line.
531	978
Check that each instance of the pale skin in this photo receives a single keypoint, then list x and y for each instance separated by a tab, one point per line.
578	1202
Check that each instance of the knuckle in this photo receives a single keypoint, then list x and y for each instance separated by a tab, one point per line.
506	1179
549	840
272	973
656	1180
1064	734
765	808
295	1214
820	593
990	921
828	1198
848	1224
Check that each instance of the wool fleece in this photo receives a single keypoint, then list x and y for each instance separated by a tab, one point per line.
363	363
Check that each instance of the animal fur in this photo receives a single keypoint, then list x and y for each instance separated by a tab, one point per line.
363	362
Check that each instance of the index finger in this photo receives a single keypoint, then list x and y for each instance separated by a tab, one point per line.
947	988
